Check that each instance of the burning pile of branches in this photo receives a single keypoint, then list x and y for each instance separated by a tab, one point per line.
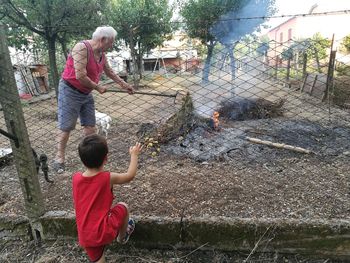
179	124
247	109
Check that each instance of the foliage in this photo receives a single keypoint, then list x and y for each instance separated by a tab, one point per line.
200	15
214	21
152	146
342	70
263	46
313	47
18	37
283	72
53	20
341	92
249	46
48	19
346	43
233	25
211	20
320	45
142	24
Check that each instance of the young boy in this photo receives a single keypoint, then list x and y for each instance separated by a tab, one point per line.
98	222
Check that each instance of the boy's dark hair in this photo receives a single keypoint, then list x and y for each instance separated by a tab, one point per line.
93	150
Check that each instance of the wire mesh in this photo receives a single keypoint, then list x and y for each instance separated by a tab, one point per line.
256	104
262	88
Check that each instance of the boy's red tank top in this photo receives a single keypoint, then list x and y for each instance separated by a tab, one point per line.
93	198
94	69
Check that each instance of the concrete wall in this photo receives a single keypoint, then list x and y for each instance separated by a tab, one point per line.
328	238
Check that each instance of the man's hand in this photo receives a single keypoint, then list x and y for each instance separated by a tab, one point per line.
129	88
101	89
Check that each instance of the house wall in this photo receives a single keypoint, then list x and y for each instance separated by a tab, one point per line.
280	38
306	27
173	62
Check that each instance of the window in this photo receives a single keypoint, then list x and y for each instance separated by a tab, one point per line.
281	38
289	34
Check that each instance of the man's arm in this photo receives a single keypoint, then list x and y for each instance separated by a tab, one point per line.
79	54
111	74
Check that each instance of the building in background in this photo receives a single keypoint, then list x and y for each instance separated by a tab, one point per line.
302	27
175	55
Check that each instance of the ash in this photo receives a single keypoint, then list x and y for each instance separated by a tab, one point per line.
229	143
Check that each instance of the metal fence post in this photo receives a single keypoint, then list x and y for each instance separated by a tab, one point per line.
330	73
15	123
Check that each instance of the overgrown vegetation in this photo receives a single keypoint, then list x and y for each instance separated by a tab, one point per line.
341	91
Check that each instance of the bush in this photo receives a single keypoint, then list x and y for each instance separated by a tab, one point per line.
341	91
343	70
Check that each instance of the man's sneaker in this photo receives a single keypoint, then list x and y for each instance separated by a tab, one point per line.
58	167
129	230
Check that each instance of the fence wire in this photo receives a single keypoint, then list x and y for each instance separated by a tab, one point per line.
256	104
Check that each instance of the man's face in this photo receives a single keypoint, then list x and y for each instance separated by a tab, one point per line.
106	43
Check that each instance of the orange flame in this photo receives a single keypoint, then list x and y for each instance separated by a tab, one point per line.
215	119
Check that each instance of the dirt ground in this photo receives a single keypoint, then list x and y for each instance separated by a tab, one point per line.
288	185
245	180
241	180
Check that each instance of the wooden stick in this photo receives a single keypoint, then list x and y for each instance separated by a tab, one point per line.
279	145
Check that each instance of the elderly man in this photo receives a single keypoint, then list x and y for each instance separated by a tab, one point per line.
81	75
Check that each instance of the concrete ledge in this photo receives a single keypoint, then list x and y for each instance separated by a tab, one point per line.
14	227
329	238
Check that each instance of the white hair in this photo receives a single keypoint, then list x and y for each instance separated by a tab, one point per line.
104	31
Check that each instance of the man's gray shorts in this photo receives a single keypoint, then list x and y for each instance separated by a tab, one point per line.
73	104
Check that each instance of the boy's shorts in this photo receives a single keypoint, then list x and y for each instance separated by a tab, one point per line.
94	253
116	218
73	105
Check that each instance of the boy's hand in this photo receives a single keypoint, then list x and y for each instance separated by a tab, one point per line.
135	150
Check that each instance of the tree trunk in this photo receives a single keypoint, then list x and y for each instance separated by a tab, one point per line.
304	64
223	61
206	70
64	48
34	202
232	60
296	61
318	61
288	69
53	64
134	60
139	63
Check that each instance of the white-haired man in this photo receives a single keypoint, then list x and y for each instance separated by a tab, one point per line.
80	77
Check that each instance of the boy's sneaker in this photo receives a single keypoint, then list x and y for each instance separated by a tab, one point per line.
129	230
58	167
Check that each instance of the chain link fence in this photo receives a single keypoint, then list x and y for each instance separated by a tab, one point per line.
261	103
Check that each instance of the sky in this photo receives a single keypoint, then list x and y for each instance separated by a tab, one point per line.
292	7
303	6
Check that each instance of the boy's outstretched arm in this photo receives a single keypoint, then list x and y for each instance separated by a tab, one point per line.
121	178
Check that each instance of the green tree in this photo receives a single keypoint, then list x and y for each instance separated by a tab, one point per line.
346	43
263	45
214	21
310	48
199	16
18	37
53	20
143	25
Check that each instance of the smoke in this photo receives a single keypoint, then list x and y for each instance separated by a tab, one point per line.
232	73
232	26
